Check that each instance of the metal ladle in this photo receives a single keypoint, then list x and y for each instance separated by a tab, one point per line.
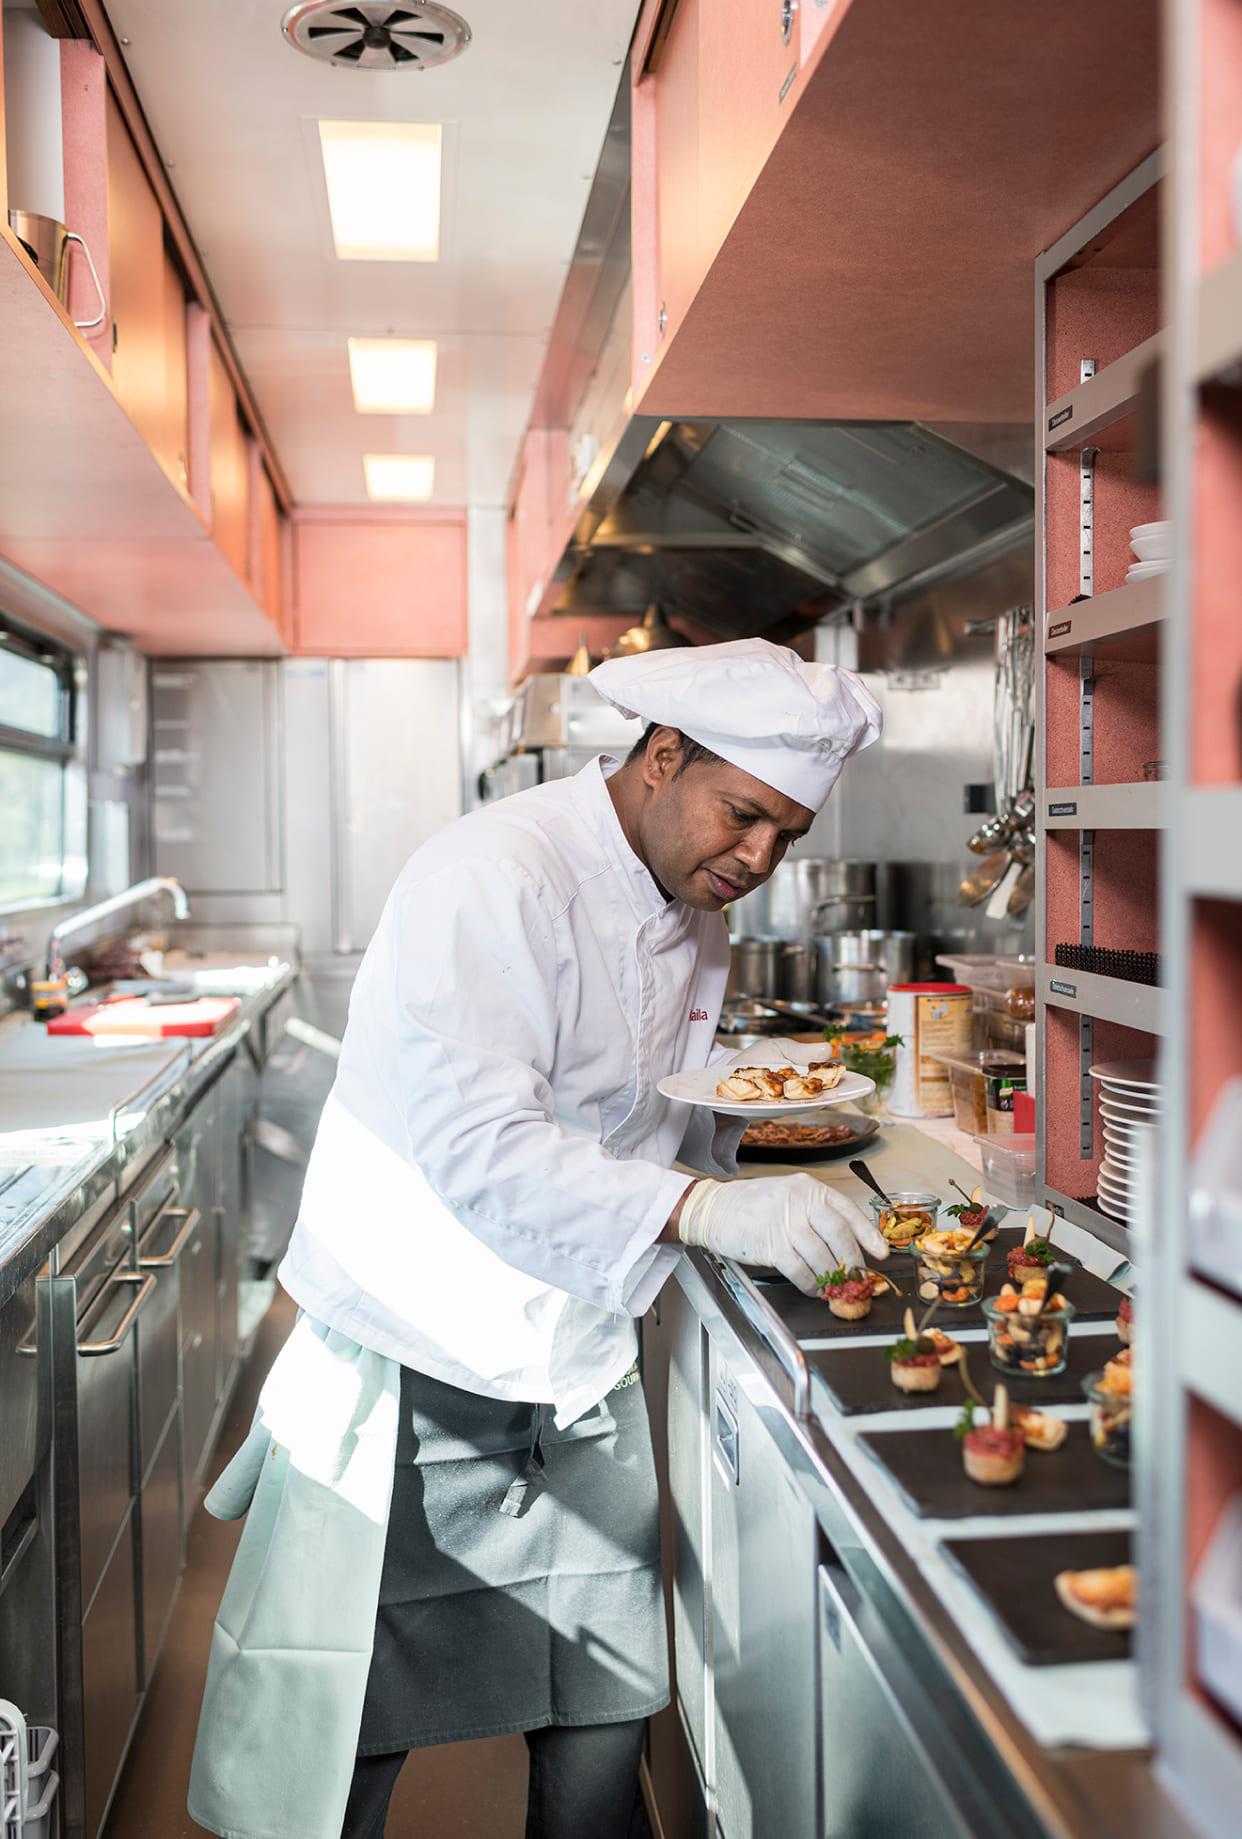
985	879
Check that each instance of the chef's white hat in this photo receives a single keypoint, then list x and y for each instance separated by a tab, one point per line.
759	706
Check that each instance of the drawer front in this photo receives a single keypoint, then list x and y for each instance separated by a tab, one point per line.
198	1404
161	1543
106	1409
109	1678
159	1338
198	1280
21	1433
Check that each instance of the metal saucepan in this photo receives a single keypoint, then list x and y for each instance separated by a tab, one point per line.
755	966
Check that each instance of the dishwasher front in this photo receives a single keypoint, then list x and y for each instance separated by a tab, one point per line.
763	1545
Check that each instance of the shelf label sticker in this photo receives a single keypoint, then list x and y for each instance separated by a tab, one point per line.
1064	810
1061	629
1062	989
1063	415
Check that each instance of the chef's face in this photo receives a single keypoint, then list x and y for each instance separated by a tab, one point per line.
709	832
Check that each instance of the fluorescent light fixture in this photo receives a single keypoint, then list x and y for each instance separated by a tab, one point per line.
393	376
396	478
383	189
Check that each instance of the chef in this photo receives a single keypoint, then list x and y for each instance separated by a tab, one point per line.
451	1502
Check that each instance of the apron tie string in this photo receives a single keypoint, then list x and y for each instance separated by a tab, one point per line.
530	1482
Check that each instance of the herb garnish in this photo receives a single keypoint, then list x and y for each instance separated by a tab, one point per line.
906	1349
966	1420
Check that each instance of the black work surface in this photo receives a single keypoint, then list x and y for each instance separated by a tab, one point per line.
859	1380
927	1467
810	1319
1015	1579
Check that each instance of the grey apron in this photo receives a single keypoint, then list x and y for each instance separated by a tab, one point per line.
521	1577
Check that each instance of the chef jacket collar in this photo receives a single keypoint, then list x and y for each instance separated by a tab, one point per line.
594	801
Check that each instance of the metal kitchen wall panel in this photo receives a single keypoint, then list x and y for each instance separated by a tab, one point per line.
396	777
215	781
307	749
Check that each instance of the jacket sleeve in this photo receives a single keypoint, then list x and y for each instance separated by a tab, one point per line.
474	980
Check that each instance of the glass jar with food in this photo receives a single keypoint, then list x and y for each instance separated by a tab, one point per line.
1028	1333
873	1055
1109	1394
912	1213
949	1269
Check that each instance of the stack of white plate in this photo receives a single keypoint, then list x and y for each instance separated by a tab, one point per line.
1129	1108
1150	543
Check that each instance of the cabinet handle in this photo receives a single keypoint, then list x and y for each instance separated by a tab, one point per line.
662	320
788	9
143	1287
88	325
170	1257
728	1440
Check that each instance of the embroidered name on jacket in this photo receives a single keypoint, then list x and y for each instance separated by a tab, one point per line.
699	1015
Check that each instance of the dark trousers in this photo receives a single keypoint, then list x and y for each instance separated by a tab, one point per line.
583	1781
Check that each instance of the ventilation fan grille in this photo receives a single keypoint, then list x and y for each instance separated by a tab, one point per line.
376	34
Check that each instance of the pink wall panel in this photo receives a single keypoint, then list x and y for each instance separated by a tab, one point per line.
1216	736
1220	113
1127	720
1127	890
1098	312
371	586
83	96
1215	1005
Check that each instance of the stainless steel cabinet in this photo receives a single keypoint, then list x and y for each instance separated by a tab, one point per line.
27	1601
110	1690
763	1544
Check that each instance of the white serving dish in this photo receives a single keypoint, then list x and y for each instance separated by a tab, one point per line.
699	1087
1146	571
1136	1115
1135	1074
1152	542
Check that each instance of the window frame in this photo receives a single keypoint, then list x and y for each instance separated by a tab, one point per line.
63	747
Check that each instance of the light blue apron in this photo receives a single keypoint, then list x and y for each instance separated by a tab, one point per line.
291	1647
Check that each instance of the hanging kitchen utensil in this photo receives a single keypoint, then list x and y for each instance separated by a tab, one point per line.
1022	892
981	880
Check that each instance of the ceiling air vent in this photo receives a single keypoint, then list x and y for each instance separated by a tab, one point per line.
376	36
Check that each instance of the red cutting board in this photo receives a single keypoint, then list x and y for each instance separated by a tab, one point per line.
205	1015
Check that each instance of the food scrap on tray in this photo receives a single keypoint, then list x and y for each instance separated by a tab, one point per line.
747	1085
993	1454
914	1360
850	1290
1105	1598
1040	1430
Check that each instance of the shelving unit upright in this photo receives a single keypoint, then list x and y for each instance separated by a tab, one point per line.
1098	334
1190	1402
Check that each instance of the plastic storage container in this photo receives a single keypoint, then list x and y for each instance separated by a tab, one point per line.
982	1085
1217	1597
1008	1168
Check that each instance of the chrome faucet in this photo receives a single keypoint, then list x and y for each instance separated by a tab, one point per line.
115	903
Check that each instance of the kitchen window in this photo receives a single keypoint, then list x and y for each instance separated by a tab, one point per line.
42	811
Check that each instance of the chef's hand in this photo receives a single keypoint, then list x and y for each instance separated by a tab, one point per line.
791	1221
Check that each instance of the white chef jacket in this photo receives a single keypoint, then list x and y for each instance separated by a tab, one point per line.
492	1168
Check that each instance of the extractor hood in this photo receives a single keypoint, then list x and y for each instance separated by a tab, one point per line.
747	527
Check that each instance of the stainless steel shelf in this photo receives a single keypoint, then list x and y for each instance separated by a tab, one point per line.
1086	1214
1212	840
1105	807
1083	413
1211	1348
1108	999
1218	358
1124	623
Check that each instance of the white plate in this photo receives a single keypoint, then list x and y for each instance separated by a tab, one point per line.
699	1088
1116	1156
1120	1191
1161	527
1136	1074
1113	1209
1146	571
1128	1110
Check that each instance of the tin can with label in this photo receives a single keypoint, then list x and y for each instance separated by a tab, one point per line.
931	1018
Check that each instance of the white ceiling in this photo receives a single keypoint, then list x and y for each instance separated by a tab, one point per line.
233	108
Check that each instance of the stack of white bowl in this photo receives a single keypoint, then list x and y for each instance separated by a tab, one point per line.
1150	543
1129	1107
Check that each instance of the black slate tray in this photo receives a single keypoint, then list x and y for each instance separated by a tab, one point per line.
865	1131
810	1319
927	1467
1014	1576
858	1377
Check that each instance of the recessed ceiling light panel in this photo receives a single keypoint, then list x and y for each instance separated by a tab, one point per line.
393	376
383	180
376	34
399	478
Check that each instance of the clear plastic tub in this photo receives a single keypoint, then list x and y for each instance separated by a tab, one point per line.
1008	1168
977	1080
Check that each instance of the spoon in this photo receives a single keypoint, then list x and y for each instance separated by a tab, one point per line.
858	1167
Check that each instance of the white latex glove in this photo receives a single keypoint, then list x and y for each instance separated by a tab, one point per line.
792	1222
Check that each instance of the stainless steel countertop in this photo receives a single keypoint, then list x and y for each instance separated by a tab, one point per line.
53	1173
1068	1792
